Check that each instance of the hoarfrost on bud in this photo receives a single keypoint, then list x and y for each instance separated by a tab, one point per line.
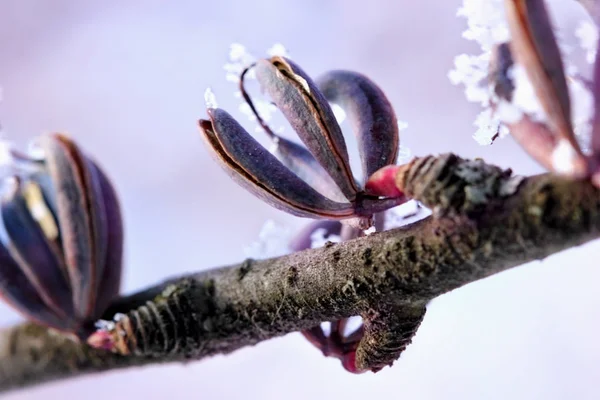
488	127
370	231
278	49
508	112
118	317
15	163
472	72
239	58
34	149
524	96
237	52
210	99
265	109
405	214
402	125
320	237
563	157
104	325
486	22
587	33
6	158
274	145
488	27
404	155
273	241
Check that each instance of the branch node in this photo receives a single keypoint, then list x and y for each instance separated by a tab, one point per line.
451	185
387	333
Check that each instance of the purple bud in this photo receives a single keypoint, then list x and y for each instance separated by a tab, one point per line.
310	115
257	170
65	238
371	115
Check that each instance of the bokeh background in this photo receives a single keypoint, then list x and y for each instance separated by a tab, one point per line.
126	79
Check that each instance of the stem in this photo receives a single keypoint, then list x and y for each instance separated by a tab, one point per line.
484	222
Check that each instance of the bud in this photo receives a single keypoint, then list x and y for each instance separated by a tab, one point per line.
313	181
60	260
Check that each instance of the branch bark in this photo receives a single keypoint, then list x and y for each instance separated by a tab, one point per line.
484	221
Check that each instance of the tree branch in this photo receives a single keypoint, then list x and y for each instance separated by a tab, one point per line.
484	222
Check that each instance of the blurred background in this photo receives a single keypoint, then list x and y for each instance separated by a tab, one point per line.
126	80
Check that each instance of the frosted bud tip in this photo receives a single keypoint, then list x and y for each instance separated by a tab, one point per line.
210	99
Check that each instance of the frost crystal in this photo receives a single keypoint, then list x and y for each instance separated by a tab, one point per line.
240	59
210	99
488	127
524	97
319	238
370	231
404	214
273	241
404	155
487	26
278	50
563	156
402	125
104	325
587	33
6	158
486	22
14	163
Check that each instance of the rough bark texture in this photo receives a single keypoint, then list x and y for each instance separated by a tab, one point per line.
484	222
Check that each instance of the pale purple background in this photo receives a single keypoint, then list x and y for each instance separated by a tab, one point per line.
126	79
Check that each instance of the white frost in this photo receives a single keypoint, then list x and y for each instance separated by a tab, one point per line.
488	127
273	241
319	237
239	58
404	155
563	156
6	158
278	49
210	99
524	96
404	214
487	26
402	125
587	33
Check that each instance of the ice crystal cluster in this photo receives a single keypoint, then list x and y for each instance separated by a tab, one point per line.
274	238
487	26
240	59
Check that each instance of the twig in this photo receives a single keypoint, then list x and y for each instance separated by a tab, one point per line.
484	222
